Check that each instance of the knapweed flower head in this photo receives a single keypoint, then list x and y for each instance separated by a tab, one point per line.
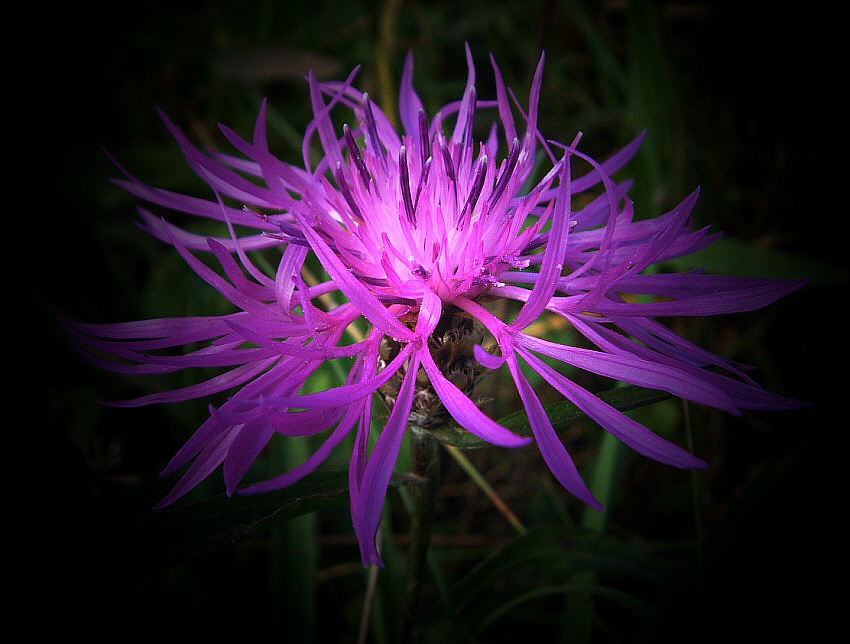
423	234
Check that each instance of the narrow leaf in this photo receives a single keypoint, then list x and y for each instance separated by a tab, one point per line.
181	534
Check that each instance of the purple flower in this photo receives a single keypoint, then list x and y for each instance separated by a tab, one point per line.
420	234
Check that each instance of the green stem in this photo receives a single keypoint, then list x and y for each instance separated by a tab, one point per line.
425	464
367	604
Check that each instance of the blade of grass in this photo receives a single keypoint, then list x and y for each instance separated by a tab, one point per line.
473	473
637	606
653	106
577	622
608	69
294	562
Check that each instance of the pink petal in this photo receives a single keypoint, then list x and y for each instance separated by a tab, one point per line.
615	422
551	448
367	514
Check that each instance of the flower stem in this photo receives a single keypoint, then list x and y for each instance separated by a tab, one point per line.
425	464
367	604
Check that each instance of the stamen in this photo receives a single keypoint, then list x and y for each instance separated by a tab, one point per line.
404	180
517	262
372	129
424	139
423	177
263	216
290	230
290	234
475	192
395	299
289	239
421	271
537	242
470	116
447	160
354	151
503	179
487	280
374	281
346	193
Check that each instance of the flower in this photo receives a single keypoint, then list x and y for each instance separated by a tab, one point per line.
419	233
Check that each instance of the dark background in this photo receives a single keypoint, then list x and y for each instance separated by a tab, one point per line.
743	104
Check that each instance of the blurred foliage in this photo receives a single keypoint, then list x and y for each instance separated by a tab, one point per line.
726	96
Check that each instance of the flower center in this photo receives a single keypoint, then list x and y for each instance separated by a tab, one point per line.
451	345
436	213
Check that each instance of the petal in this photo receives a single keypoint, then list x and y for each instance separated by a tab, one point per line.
505	113
244	449
553	258
209	458
467	104
409	103
322	121
533	101
194	328
551	448
465	412
615	422
166	232
361	441
219	383
737	301
315	459
485	359
357	466
315	350
211	428
609	166
379	469
634	370
366	303
430	310
288	269
233	295
287	423
346	393
222	179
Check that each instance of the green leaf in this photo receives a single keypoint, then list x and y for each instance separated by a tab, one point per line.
562	414
294	558
607	469
179	535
